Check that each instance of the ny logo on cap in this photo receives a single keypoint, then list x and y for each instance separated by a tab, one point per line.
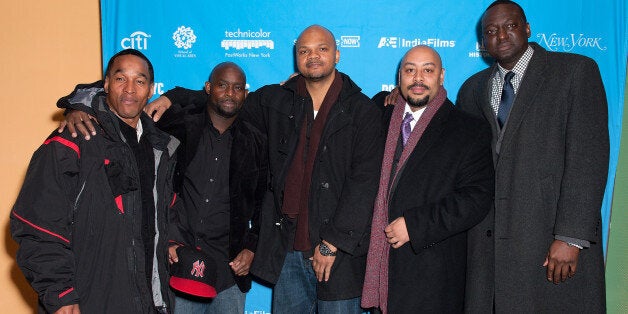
198	268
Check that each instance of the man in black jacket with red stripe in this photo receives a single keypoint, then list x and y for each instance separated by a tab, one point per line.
91	217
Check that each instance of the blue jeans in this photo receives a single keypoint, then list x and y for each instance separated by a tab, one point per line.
230	301
295	291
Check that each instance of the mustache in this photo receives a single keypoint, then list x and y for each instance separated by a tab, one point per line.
418	85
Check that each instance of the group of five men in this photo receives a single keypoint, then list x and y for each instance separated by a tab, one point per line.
411	205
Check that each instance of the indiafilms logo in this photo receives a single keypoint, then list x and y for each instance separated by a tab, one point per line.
249	40
556	42
398	42
184	39
137	40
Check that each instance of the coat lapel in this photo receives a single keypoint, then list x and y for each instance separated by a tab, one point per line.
530	86
428	139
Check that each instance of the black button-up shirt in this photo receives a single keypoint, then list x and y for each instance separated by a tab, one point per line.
206	198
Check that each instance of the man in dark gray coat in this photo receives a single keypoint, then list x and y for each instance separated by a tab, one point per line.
540	250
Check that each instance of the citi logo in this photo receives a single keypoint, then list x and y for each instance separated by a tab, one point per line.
137	40
568	42
388	42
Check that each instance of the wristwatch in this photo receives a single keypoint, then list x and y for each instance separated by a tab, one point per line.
325	250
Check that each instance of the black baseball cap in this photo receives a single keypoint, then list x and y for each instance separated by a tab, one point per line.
194	273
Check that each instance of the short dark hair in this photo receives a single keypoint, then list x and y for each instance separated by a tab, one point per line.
497	2
136	53
226	64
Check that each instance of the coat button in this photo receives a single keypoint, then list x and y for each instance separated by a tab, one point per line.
326	220
325	185
489	233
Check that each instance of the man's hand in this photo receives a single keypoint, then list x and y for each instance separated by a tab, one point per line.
172	254
157	107
69	309
242	263
78	120
561	261
391	99
397	233
322	264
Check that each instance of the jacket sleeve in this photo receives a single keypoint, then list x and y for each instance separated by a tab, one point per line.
252	234
184	101
41	221
586	155
464	206
178	224
349	229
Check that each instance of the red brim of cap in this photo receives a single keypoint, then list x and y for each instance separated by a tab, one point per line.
192	287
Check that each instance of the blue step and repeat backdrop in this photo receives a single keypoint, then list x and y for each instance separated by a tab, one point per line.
185	39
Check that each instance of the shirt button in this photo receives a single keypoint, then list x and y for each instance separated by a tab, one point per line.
216	159
211	180
206	200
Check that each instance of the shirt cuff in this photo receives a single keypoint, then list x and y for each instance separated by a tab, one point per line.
579	243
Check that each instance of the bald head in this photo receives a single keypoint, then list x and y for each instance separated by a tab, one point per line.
223	66
319	31
316	54
423	51
420	76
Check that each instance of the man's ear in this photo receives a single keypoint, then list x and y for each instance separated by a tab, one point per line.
152	90
106	86
208	87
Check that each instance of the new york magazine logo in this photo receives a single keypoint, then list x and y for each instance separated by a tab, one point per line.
567	42
137	40
246	43
184	39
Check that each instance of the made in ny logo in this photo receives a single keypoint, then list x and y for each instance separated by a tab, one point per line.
568	42
137	40
247	40
184	39
198	269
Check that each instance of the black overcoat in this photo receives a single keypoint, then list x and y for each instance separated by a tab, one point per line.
344	181
550	177
444	188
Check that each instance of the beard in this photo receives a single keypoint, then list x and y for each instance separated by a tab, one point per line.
418	102
225	113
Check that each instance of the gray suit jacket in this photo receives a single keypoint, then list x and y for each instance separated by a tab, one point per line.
550	176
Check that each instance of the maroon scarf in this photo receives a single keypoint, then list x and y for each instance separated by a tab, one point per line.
299	177
375	290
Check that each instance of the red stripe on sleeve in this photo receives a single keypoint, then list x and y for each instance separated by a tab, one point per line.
40	228
119	203
174	199
62	294
65	142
